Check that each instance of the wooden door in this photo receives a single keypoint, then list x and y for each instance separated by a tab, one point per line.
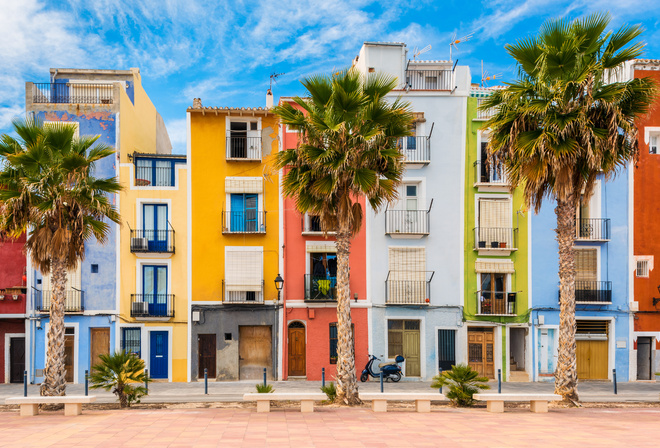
206	350
411	348
254	352
480	352
297	349
16	359
591	359
100	344
69	357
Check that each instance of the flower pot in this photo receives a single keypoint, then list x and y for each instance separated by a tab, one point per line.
482	244
495	244
502	245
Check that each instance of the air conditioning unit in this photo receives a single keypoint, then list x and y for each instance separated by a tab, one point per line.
139	244
140	308
14	296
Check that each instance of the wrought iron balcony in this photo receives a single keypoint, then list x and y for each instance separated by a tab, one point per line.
72	93
489	173
74	300
407	222
490	238
152	305
152	241
408	287
496	303
247	221
593	229
415	149
428	79
243	294
243	148
320	288
592	292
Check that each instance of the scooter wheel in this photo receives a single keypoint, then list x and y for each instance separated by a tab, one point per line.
364	377
396	377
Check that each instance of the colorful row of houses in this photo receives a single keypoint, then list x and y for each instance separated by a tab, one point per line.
213	270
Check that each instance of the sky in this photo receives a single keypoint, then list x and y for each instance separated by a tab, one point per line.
224	51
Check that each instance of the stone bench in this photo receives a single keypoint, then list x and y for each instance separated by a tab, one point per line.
537	402
29	406
422	400
306	399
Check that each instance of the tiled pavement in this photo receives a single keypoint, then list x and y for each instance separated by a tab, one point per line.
333	427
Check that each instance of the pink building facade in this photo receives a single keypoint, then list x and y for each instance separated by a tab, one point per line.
12	310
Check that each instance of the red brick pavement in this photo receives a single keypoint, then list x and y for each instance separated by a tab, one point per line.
332	427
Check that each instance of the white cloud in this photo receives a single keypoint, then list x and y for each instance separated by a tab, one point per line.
178	130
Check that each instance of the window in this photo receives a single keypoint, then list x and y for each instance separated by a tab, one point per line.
130	341
244	140
244	213
95	268
244	274
446	349
586	266
491	171
155	226
73	301
154	172
495	227
493	297
406	282
323	282
653	144
154	289
644	264
333	341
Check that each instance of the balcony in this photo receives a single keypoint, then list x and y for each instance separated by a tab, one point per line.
243	148
159	176
495	240
483	114
311	225
248	221
592	292
428	79
408	287
320	288
490	177
152	306
593	229
74	301
407	223
496	303
240	294
72	93
152	241
416	150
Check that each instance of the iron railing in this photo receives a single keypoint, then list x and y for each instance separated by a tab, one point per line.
237	294
415	222
593	229
152	305
408	287
72	93
495	238
312	224
415	149
496	302
592	292
320	288
483	114
241	147
489	173
429	79
74	300
247	221
149	176
157	241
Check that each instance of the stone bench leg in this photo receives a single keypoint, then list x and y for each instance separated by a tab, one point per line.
379	405
495	406
28	410
538	406
306	405
72	409
263	405
423	405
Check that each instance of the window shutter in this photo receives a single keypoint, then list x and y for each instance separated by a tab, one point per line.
321	248
494	266
244	185
73	280
407	276
586	265
494	213
243	269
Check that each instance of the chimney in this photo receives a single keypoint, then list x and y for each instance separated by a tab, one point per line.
197	103
269	99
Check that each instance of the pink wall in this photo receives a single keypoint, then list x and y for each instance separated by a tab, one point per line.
8	326
12	268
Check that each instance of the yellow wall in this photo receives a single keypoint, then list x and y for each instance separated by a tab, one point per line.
137	122
208	170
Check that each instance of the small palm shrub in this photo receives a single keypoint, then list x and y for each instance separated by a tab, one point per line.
123	373
462	382
330	390
265	388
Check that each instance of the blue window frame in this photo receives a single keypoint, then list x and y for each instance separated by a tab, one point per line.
131	341
154	226
244	216
155	172
154	289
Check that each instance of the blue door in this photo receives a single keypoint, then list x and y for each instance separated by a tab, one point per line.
244	213
155	226
158	358
154	289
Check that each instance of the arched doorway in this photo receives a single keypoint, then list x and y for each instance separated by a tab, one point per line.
297	349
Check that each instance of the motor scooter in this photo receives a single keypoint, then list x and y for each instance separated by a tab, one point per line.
391	370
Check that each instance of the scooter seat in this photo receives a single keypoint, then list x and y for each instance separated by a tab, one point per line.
383	364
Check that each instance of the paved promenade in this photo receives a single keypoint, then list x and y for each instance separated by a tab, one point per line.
334	427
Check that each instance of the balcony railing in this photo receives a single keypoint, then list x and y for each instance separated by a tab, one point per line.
496	302
238	294
408	287
489	173
155	241
74	301
248	221
312	224
483	114
72	93
593	229
320	288
592	292
152	305
160	176
428	79
495	238
240	147
410	222
415	149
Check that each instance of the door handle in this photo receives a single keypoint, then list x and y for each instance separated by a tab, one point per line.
159	356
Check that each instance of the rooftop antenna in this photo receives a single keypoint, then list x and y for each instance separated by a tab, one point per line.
454	43
422	51
485	76
273	78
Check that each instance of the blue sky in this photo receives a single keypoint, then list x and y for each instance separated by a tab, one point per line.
224	51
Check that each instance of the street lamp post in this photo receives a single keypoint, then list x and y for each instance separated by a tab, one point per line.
279	284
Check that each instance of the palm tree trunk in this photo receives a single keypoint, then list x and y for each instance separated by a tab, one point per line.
347	389
54	374
566	373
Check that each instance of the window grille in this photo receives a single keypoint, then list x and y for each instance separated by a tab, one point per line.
644	266
130	341
334	339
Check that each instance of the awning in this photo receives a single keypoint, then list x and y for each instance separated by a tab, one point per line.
494	266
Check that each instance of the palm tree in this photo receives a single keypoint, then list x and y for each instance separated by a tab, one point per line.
347	150
47	189
567	119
